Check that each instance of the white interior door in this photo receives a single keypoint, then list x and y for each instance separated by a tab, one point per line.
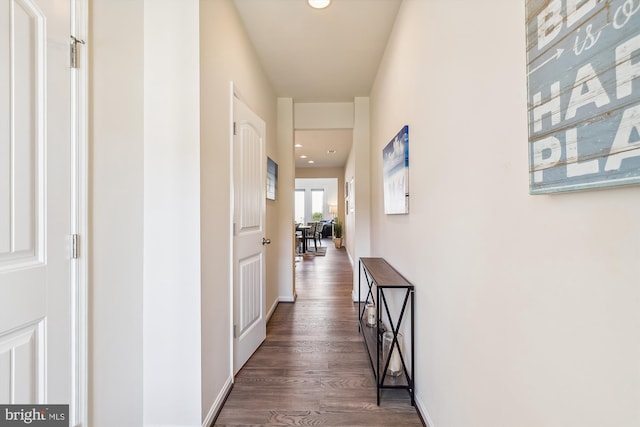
249	219
35	202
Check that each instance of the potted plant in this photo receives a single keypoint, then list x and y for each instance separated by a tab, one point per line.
337	233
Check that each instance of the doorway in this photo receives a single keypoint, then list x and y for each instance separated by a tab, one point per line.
316	199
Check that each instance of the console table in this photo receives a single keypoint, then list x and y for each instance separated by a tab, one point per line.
382	279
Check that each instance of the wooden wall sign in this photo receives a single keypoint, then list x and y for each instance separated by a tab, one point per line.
583	89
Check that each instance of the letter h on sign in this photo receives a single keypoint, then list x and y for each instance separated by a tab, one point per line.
583	88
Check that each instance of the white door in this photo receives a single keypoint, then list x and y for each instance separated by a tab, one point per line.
35	202
249	164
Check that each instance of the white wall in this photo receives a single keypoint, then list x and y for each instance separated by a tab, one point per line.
323	115
286	177
527	307
116	209
171	291
144	202
360	227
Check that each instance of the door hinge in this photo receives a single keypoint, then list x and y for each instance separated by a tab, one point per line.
75	246
235	130
73	51
235	331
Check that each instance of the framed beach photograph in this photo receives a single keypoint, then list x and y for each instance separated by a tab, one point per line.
395	173
272	179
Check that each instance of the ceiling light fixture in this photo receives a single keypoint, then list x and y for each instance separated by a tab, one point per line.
331	151
303	156
298	145
310	161
319	4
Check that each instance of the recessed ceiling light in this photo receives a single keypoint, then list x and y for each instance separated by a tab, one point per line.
310	161
319	4
303	156
331	151
298	145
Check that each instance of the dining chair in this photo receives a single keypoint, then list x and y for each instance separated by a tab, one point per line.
312	234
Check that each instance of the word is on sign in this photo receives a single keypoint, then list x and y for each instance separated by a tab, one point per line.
583	75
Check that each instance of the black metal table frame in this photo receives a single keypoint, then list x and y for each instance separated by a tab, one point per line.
395	328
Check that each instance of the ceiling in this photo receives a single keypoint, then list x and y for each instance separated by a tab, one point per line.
317	144
328	55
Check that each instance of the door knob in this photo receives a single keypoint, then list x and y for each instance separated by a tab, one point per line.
266	241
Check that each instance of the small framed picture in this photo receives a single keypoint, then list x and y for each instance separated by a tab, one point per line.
272	179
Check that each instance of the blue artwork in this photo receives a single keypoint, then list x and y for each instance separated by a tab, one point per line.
272	179
583	71
395	173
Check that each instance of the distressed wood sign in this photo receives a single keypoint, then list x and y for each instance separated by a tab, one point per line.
583	67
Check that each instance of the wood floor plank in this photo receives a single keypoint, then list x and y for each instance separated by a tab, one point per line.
313	368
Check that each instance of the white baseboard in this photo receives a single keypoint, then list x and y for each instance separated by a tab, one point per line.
423	411
275	305
272	309
217	405
350	259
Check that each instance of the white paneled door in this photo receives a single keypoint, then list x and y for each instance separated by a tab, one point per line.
249	219
35	202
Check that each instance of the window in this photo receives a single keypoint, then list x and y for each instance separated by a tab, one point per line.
317	204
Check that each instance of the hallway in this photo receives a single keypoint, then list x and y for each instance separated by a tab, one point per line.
313	368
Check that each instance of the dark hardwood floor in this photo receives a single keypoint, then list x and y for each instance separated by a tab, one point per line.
313	368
